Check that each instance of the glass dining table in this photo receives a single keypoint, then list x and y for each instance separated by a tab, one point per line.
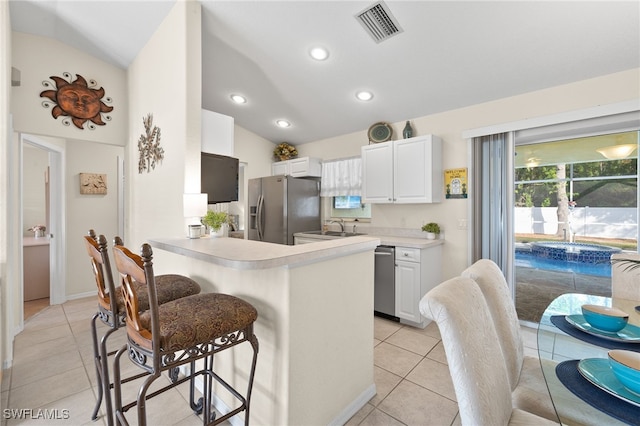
562	344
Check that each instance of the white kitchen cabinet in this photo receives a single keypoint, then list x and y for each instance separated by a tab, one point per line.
404	171
298	167
417	272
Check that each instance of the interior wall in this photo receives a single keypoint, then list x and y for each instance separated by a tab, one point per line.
161	82
35	162
6	346
88	211
608	89
38	58
255	151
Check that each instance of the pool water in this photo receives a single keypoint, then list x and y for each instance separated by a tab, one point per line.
528	260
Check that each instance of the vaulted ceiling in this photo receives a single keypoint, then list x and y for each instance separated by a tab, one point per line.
449	54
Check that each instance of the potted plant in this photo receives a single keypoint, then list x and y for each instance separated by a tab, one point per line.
214	221
38	230
285	151
432	229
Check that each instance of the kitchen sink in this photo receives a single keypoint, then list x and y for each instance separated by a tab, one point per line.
334	233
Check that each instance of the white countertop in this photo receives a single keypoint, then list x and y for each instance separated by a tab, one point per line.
33	241
386	240
248	254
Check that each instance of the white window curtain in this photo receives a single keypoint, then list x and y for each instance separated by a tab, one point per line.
341	177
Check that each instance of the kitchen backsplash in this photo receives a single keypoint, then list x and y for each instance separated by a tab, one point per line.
366	228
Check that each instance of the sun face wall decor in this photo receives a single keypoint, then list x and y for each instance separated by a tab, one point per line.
77	101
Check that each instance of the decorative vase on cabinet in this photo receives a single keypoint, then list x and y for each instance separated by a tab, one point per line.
408	131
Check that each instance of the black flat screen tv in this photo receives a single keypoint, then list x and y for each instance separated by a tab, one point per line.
219	178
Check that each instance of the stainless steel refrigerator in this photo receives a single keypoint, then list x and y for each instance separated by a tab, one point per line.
280	206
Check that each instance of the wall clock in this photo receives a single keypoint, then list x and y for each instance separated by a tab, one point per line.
76	101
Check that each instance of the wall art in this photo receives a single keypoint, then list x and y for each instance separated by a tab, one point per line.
149	146
93	183
77	101
455	182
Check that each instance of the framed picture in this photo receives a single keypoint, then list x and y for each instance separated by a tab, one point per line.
455	183
93	183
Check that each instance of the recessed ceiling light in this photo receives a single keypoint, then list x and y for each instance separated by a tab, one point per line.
239	99
364	95
283	123
319	53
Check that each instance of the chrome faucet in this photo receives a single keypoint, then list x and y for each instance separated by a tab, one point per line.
341	223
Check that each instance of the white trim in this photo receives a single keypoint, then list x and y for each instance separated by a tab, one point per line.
564	117
81	295
58	213
355	406
121	205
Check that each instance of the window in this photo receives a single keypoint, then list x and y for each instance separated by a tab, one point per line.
350	206
347	202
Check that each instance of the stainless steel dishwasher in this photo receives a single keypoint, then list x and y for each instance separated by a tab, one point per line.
384	296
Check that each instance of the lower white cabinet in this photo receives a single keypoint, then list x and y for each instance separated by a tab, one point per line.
417	272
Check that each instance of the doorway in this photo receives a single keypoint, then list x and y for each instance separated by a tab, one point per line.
42	209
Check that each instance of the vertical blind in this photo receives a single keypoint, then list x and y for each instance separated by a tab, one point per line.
341	177
493	189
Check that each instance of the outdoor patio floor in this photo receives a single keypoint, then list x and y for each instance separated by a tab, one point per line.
536	288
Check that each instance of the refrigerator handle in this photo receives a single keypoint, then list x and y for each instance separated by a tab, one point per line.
259	217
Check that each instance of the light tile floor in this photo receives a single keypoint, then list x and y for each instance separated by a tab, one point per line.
53	369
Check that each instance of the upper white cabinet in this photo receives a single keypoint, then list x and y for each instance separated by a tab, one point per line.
404	171
298	167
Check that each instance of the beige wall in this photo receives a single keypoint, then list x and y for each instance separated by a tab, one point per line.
6	160
84	211
449	126
83	148
164	80
255	151
34	166
39	58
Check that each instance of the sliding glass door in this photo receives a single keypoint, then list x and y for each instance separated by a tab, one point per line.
575	203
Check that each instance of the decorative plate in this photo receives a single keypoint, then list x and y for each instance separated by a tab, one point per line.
380	132
598	372
629	334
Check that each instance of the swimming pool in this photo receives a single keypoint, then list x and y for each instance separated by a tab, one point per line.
578	258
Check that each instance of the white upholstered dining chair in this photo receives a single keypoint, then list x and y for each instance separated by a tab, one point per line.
475	359
527	382
625	276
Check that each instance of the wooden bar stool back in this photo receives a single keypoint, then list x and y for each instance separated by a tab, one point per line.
111	311
181	332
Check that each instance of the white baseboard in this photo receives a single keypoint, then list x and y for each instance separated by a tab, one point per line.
355	406
341	419
218	404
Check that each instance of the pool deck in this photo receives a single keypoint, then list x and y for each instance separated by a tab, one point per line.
536	288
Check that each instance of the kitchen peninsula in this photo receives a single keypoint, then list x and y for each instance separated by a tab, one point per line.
315	322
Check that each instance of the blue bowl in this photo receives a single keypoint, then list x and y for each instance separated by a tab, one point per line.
605	318
626	367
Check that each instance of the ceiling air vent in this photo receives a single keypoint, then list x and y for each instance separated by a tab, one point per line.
378	21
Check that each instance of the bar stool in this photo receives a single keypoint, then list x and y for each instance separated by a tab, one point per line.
178	333
111	311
